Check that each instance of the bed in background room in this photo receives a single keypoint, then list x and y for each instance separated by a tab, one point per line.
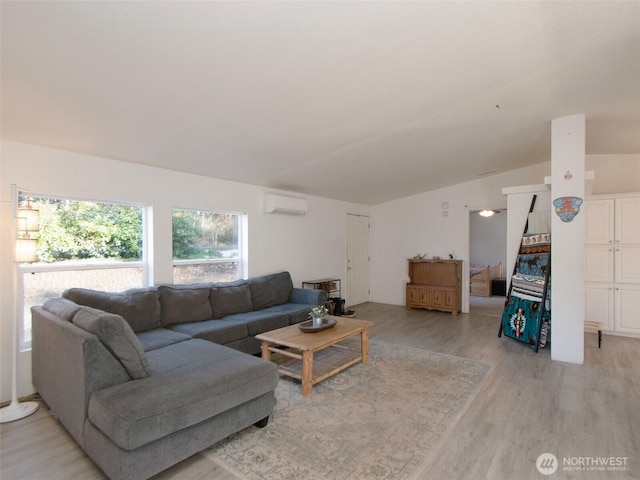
481	277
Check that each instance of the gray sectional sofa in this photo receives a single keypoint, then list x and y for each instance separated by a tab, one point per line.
148	377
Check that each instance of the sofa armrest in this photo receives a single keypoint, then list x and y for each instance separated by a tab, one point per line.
308	296
68	365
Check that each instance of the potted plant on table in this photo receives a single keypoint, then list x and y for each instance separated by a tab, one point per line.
317	315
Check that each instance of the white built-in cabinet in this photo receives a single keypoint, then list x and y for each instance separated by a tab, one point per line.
612	262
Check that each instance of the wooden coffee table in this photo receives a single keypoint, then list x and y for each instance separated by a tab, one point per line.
317	356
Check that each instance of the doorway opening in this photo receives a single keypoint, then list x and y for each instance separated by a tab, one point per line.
487	260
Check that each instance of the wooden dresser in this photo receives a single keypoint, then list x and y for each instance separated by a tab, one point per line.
435	285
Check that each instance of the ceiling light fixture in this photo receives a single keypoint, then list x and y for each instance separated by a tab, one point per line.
487	213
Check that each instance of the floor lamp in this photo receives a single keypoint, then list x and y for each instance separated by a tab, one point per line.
25	221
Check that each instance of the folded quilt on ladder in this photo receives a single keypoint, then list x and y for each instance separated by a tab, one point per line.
525	313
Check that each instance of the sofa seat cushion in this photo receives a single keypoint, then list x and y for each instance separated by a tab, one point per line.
190	382
296	312
260	322
160	337
140	307
218	331
184	303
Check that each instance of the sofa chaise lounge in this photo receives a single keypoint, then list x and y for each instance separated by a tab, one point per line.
148	377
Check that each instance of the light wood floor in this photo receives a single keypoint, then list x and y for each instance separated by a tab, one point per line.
527	406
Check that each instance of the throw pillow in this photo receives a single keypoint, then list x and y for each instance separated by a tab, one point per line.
117	336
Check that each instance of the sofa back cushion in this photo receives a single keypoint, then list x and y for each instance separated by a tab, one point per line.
270	290
230	299
140	307
184	303
282	287
62	308
116	334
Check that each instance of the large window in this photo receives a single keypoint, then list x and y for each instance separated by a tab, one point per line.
99	245
207	246
86	244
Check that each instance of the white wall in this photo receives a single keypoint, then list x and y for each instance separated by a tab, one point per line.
403	228
308	246
614	173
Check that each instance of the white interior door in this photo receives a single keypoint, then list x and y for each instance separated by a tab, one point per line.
357	285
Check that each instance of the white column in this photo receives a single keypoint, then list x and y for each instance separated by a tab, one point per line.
161	252
567	251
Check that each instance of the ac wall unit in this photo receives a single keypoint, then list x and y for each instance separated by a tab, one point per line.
282	204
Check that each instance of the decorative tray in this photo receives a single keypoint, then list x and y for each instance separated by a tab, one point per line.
308	327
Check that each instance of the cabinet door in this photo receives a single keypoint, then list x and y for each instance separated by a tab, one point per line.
627	264
598	221
599	304
437	298
413	295
628	220
443	298
450	299
598	263
417	296
423	297
627	300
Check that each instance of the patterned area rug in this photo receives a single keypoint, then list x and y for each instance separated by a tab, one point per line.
383	419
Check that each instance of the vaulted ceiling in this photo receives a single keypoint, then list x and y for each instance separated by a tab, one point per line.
358	101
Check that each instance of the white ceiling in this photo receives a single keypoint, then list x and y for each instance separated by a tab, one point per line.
358	101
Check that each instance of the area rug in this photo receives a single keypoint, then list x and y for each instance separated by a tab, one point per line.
383	419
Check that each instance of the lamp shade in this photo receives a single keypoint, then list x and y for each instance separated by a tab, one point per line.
21	225
31	216
26	250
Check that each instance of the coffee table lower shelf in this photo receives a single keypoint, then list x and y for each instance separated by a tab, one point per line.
316	356
326	363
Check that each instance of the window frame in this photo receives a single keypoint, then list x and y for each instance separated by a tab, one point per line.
242	242
27	268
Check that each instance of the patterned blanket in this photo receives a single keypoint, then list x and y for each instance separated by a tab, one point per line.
532	264
527	286
520	319
539	243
